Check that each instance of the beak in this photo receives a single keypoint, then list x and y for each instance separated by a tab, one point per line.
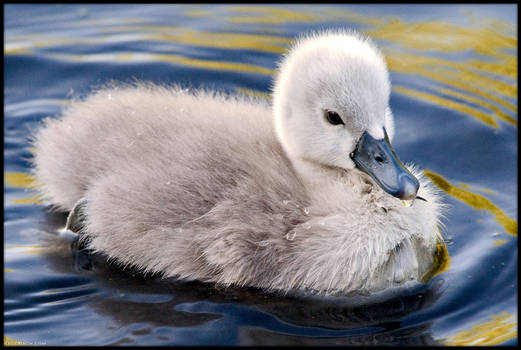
378	159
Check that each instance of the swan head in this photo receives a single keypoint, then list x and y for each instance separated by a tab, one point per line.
331	108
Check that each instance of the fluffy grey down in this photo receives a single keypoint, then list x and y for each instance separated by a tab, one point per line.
206	186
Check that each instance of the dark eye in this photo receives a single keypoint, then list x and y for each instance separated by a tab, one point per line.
333	117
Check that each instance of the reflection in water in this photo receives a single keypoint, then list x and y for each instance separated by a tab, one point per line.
154	303
501	328
460	107
483	77
30	200
167	34
478	81
476	201
253	93
441	262
21	180
500	242
486	79
12	342
151	57
131	298
445	37
470	70
498	113
24	249
268	15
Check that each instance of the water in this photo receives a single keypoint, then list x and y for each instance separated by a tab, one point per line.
454	97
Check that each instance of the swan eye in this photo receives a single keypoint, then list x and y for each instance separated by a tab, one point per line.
333	117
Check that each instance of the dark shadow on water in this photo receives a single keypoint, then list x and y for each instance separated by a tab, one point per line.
418	335
130	298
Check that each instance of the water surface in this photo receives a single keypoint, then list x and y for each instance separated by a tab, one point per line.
454	75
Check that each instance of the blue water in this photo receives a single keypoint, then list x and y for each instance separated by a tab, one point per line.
55	52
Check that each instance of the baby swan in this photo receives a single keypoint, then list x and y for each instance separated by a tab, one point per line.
298	195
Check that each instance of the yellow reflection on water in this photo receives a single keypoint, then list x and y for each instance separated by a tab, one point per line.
197	13
267	43
338	14
500	242
430	67
488	83
436	69
20	180
506	67
497	112
17	51
271	15
501	328
227	40
102	22
441	263
268	15
485	79
254	93
475	200
176	59
492	23
12	342
482	189
257	42
26	249
483	82
444	37
460	107
30	200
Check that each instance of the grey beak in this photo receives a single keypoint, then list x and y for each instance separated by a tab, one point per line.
378	159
